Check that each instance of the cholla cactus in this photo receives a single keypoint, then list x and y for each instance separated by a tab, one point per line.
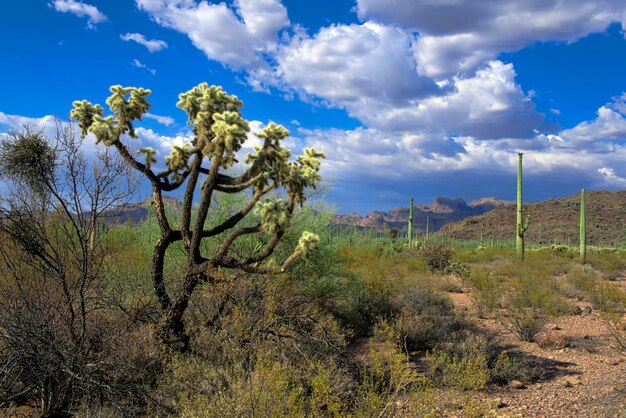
149	153
219	132
274	215
307	243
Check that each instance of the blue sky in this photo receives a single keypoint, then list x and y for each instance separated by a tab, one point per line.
406	97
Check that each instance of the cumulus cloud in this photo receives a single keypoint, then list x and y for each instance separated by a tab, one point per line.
238	37
153	45
355	66
488	105
47	124
94	16
457	36
139	64
399	161
604	131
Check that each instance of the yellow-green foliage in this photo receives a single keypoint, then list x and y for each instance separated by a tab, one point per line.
612	263
387	377
467	372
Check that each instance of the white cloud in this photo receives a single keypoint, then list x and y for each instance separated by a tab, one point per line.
139	64
457	36
355	66
163	120
47	123
602	132
611	177
153	45
80	9
487	105
375	159
238	37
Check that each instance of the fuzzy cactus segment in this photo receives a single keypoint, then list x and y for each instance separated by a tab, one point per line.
149	153
274	215
307	243
274	132
231	131
85	112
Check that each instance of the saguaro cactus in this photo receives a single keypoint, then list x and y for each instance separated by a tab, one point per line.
219	131
427	221
521	228
583	228
411	222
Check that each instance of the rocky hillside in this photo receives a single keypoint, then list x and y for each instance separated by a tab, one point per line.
439	213
554	220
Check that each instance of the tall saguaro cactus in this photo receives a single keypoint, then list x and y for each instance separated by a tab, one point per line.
219	131
411	222
583	228
520	228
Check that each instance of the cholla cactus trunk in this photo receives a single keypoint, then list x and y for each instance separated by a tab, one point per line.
583	228
411	223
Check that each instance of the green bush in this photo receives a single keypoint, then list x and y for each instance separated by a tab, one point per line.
436	256
468	372
425	319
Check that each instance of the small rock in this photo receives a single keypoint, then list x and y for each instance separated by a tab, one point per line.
499	403
554	328
571	381
615	361
586	311
586	337
553	341
516	384
577	310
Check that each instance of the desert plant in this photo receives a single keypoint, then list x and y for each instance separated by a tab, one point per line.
219	132
425	318
527	323
437	256
411	223
583	228
59	321
521	228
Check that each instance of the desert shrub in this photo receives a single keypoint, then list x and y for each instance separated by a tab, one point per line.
526	323
616	324
386	378
501	367
563	250
487	288
458	269
436	256
607	297
467	372
426	318
612	263
269	386
579	282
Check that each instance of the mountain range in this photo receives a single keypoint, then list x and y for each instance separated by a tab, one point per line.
442	211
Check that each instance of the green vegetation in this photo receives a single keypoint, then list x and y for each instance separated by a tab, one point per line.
238	306
583	228
521	227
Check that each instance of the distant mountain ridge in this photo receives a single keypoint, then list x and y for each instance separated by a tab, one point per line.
441	212
552	221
